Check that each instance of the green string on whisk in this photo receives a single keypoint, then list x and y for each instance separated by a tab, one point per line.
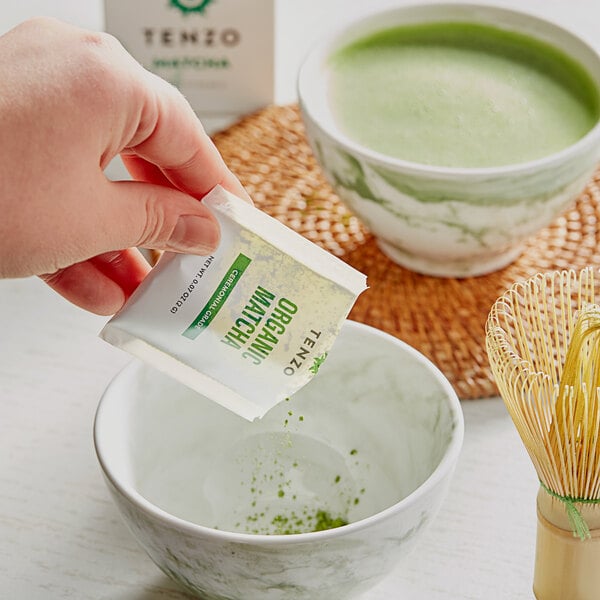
578	523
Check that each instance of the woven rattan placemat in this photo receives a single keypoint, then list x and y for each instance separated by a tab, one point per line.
443	318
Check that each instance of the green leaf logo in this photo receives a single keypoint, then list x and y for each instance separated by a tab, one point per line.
318	361
190	6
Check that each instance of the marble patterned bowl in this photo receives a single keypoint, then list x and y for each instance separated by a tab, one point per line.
217	502
452	222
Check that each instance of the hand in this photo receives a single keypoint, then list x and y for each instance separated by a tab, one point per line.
70	101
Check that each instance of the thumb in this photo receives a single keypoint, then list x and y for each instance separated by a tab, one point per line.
157	217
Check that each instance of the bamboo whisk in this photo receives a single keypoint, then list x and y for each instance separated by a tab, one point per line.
543	343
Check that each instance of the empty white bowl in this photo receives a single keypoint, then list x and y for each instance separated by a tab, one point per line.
373	439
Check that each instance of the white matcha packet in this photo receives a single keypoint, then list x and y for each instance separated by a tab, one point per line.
248	325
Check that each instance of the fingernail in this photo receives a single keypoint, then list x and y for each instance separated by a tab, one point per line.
194	234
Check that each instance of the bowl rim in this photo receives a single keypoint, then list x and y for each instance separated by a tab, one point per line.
443	469
320	52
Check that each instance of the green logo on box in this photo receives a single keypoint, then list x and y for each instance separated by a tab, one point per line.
191	6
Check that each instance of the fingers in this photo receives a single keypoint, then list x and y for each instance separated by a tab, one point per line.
171	137
102	284
133	214
126	215
127	268
87	287
141	170
154	216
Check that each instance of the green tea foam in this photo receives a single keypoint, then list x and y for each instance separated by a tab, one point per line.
460	95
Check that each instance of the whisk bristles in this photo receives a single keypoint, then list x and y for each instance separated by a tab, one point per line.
543	342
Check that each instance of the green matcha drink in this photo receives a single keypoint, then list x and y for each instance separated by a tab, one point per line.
460	95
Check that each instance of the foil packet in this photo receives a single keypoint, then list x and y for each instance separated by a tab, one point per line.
248	325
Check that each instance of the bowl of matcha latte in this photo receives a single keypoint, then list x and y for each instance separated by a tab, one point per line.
455	132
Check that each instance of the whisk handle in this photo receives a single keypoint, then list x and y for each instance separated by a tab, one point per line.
566	568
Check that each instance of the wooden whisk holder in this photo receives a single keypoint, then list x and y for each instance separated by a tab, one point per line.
566	567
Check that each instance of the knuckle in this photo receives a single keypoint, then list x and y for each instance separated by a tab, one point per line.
157	227
114	258
100	39
53	278
99	77
186	163
39	22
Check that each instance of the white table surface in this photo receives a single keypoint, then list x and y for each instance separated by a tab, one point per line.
60	535
62	538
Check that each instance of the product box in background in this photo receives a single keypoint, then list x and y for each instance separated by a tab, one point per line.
219	53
